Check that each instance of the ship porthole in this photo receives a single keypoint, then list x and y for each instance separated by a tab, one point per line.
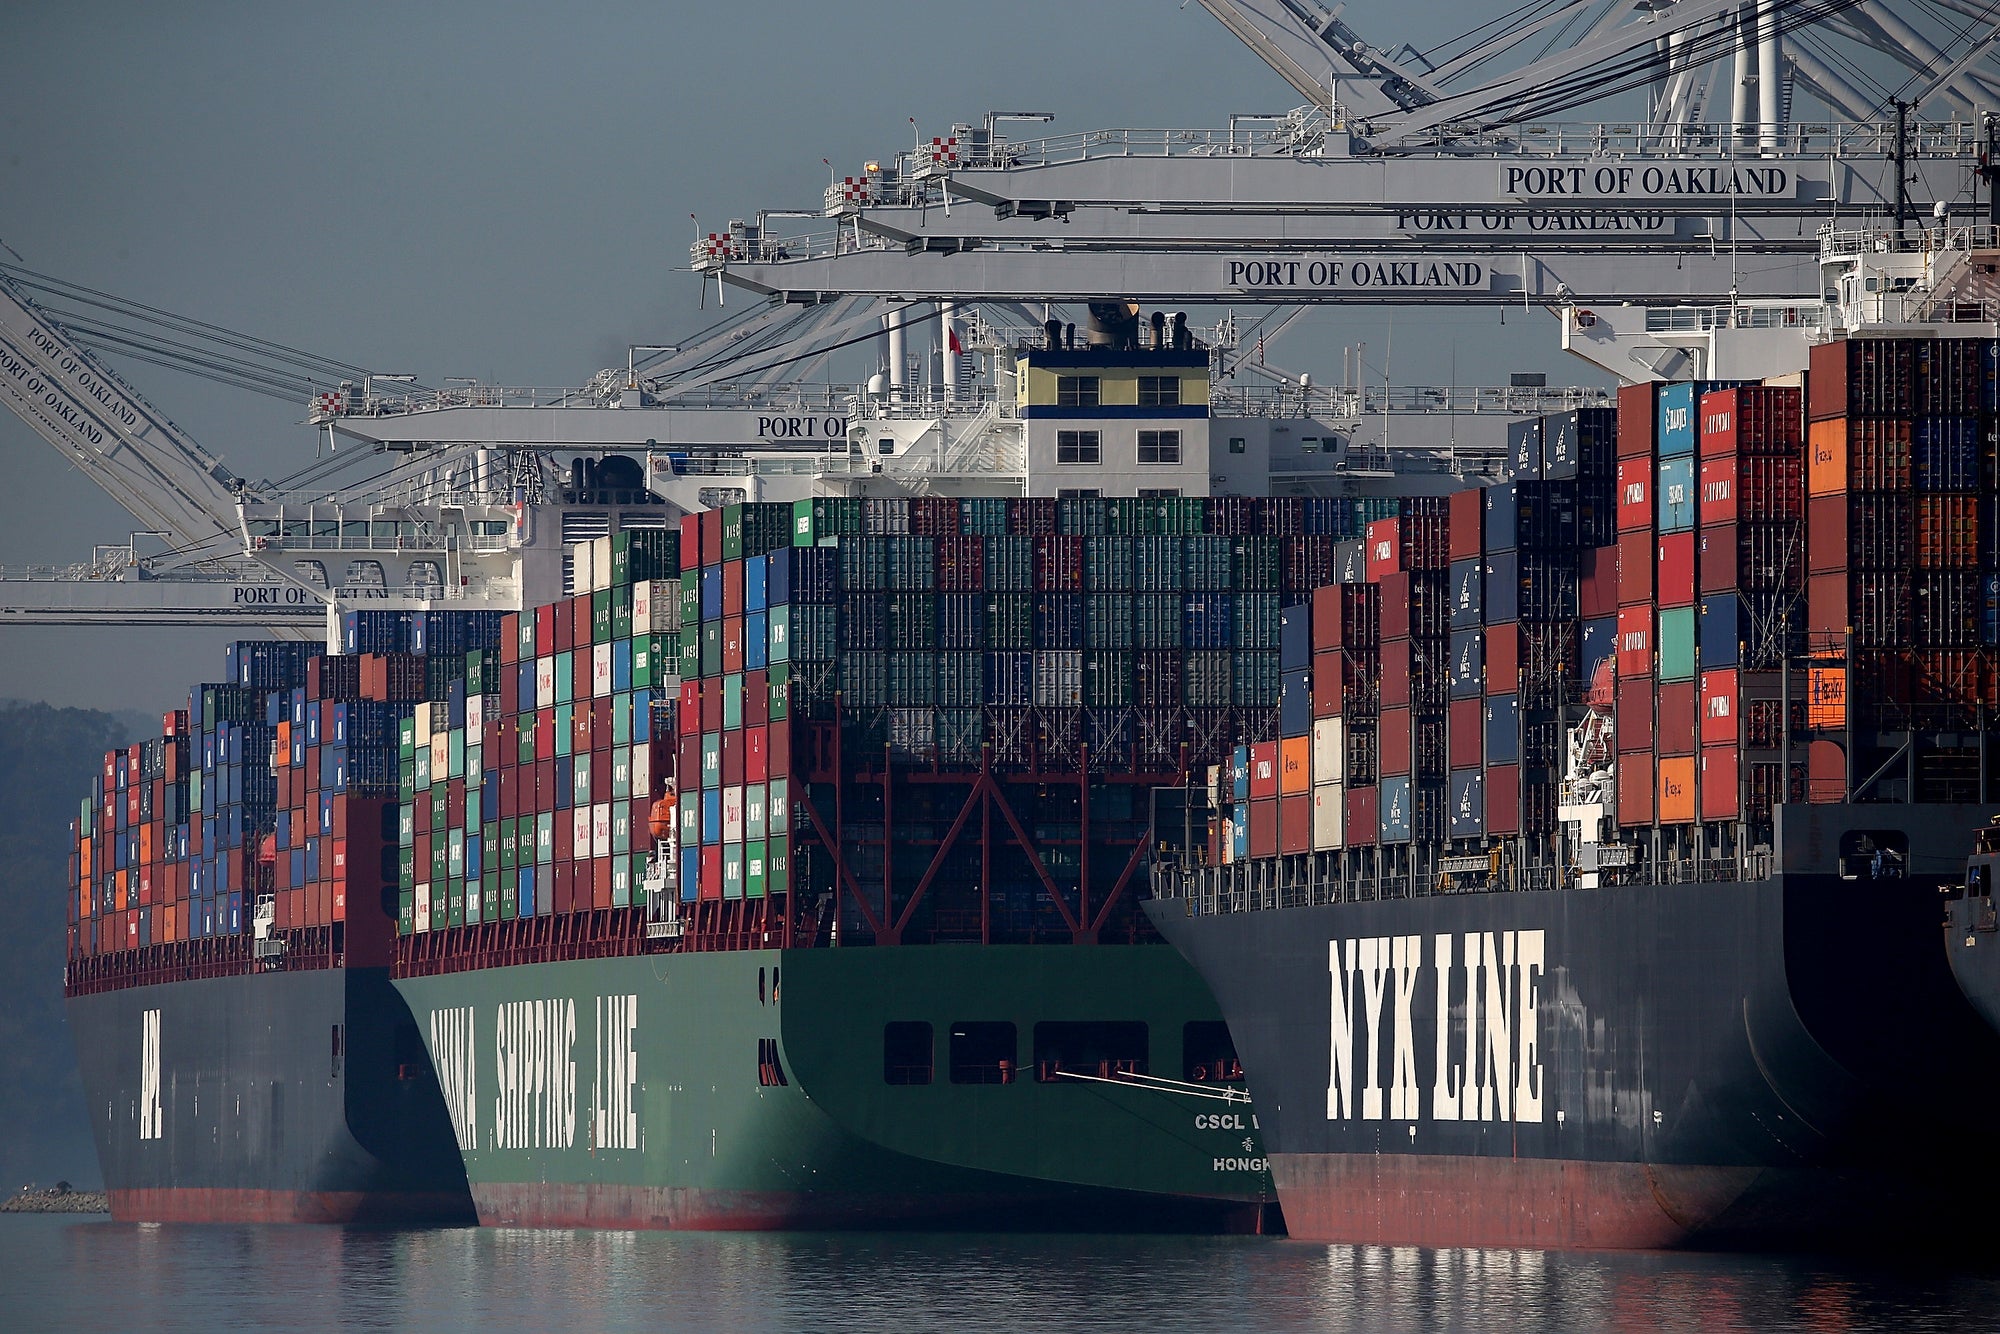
760	986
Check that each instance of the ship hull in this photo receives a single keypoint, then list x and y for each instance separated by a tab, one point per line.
1723	1064
750	1090
277	1097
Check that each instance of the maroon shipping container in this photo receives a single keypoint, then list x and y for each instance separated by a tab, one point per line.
1675	734
1751	419
1636	421
1503	658
1638	555
1058	563
934	516
1721	782
1503	799
1468	520
690	541
1676	570
1385	550
1295	819
1363	827
1392	739
1597	590
1861	377
1861	532
1466	748
1394	688
1346	616
1633	720
711	537
1263	826
1636	792
1393	600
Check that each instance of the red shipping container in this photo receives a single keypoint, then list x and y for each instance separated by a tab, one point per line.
1635	792
1751	419
1676	571
779	747
1635	641
1633	719
579	625
732	758
1716	494
732	644
1826	604
732	588
1264	769
1295	817
1721	707
1676	735
1395	683
600	882
1638	554
1392	742
690	541
711	554
1263	826
689	710
1362	829
1326	683
1597	591
1468	520
1393	600
1635	494
1717	562
565	835
1466	743
1503	799
1636	421
1503	658
756	755
1385	550
1721	787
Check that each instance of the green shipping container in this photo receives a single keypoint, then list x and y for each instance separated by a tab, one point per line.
510	905
778	634
732	870
1677	644
406	913
780	678
565	678
732	701
711	648
777	864
753	869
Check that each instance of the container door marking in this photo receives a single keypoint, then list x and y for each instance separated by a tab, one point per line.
152	1117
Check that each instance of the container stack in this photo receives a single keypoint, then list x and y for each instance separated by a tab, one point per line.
527	782
1750	617
1637	688
1076	651
1409	559
1901	493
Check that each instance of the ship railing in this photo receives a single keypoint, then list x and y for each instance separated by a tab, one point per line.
1704	319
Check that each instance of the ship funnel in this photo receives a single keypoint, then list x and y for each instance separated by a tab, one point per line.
1159	323
1114	325
1052	330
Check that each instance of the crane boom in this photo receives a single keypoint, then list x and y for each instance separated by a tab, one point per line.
100	424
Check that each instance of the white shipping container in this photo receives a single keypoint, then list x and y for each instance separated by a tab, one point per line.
579	832
600	563
1329	816
1228	842
600	829
600	670
642	771
440	756
1059	679
423	721
642	608
582	566
1329	761
545	682
732	814
423	907
475	713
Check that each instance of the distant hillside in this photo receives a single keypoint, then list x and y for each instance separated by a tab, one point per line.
48	757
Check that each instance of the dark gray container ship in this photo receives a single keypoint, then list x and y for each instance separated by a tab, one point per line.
293	1096
1712	1063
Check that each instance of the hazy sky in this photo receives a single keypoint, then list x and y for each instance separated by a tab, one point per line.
502	190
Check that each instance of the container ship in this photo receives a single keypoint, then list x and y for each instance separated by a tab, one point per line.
777	870
1587	891
243	1053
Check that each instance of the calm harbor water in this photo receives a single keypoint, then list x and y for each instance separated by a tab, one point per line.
68	1273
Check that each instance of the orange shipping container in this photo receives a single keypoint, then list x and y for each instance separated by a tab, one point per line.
1676	789
1294	764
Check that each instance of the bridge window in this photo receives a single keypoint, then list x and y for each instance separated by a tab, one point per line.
1238	445
1159	391
982	1053
1079	447
1101	1049
886	445
1159	493
1079	493
1159	446
1208	1053
1077	391
906	1053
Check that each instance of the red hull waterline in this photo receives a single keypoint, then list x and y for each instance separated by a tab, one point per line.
681	1208
200	1204
1531	1203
